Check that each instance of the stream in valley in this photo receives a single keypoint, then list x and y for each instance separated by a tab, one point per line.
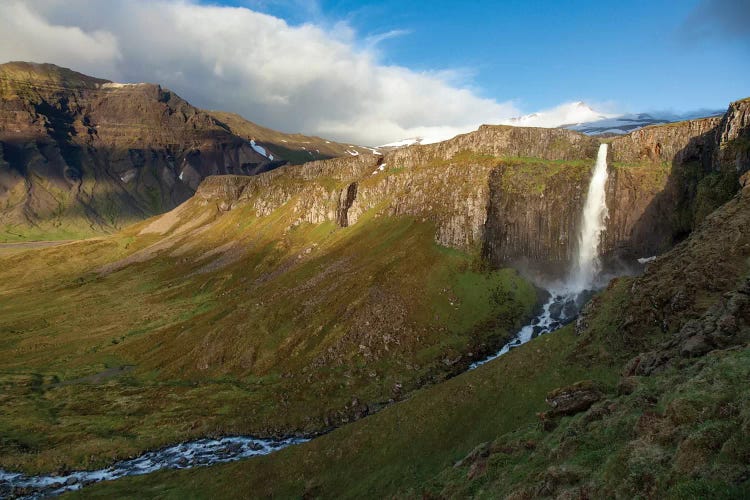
561	308
197	453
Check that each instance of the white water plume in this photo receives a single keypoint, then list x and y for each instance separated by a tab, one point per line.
567	299
587	264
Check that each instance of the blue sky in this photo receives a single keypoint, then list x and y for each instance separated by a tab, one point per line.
376	72
632	55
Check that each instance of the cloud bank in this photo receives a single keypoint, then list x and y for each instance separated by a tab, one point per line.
307	78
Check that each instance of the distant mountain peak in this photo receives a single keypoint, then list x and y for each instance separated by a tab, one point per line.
571	113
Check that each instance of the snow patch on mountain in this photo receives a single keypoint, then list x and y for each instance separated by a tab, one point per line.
577	116
564	115
432	138
261	150
627	123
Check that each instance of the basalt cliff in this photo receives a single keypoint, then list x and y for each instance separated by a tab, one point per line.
515	194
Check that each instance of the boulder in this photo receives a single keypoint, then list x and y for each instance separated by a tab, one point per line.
573	399
695	346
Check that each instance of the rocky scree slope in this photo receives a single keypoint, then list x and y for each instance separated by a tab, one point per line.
81	155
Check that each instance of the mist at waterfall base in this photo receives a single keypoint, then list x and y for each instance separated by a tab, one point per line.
568	296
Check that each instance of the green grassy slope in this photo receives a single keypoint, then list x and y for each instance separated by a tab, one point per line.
399	447
668	351
244	326
680	434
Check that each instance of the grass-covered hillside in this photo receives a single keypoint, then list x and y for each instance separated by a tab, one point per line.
306	298
214	321
654	404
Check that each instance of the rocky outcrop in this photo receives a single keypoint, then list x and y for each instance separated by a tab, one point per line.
573	399
483	191
84	154
733	136
313	191
672	142
664	180
696	296
502	141
345	203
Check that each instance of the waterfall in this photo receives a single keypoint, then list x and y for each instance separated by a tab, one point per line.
566	300
587	264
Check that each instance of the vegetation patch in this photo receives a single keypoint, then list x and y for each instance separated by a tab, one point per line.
286	329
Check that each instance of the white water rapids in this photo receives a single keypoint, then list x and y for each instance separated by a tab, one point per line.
182	456
562	307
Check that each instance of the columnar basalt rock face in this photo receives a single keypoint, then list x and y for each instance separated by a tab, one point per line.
665	179
534	230
517	209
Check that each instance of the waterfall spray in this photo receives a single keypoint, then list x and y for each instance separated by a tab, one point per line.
587	264
564	303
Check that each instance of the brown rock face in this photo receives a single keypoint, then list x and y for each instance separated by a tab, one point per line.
79	153
503	141
664	180
522	205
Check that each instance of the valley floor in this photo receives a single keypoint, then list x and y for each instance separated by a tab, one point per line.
281	334
650	400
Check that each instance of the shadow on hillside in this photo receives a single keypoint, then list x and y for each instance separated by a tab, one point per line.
695	186
55	178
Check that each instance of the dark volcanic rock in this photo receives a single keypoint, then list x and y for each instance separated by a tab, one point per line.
696	345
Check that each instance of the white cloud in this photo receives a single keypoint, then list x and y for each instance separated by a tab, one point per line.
295	78
313	78
27	36
373	40
569	113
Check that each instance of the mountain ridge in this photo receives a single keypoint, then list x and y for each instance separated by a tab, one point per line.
580	117
83	155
